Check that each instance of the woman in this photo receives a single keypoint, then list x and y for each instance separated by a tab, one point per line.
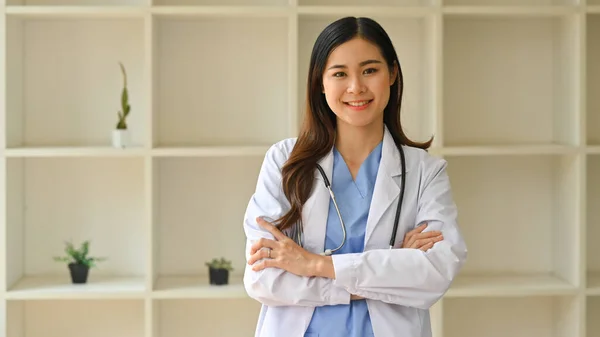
352	132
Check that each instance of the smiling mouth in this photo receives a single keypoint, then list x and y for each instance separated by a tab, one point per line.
358	103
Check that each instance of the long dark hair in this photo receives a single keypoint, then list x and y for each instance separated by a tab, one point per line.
317	134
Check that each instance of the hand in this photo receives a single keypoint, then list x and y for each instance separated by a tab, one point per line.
419	240
356	297
281	253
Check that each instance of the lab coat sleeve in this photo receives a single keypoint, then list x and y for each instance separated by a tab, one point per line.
411	277
274	286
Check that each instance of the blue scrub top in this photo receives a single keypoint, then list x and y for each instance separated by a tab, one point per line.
354	201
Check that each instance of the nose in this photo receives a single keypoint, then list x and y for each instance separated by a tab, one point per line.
356	85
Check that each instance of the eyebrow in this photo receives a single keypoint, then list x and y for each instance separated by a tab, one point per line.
362	64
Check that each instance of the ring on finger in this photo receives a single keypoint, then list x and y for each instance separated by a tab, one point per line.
269	253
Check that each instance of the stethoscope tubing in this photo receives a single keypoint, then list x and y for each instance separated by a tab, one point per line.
328	252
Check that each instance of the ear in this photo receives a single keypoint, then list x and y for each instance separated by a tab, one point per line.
393	74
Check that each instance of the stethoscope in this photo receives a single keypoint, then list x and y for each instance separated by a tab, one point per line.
328	252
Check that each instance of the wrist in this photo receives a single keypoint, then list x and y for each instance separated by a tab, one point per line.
322	266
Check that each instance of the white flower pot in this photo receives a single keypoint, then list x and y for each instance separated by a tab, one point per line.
121	138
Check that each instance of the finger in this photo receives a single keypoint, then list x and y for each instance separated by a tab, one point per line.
419	243
426	235
410	241
262	243
266	263
410	238
259	255
418	229
423	242
427	246
418	235
270	228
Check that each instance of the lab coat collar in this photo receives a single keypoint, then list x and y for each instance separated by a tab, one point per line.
390	159
386	191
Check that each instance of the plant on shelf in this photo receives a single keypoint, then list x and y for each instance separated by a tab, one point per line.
78	261
219	271
121	134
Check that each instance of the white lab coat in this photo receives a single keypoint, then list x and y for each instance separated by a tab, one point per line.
400	285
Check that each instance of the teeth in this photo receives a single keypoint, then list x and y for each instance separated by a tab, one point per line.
358	103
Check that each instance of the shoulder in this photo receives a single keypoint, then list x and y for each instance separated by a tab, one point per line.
428	165
278	153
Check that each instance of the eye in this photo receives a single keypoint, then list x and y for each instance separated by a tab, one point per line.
370	71
338	74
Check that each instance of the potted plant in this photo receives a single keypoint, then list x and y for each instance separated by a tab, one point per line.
219	271
78	261
121	136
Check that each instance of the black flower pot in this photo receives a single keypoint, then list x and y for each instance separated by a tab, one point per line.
79	272
218	276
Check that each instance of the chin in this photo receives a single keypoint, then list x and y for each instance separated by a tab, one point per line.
358	121
359	118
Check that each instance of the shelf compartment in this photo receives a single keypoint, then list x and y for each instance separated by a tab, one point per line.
512	316
210	151
593	222
543	190
593	79
199	211
249	11
516	285
77	151
72	318
376	11
414	41
64	81
89	3
198	287
513	11
227	3
200	92
507	150
374	3
186	317
60	287
511	3
593	283
595	149
593	312
54	200
78	12
494	94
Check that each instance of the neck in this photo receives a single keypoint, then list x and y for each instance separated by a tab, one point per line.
355	143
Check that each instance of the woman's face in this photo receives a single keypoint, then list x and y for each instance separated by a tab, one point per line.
356	83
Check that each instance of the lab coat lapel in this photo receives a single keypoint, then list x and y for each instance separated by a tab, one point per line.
317	208
386	189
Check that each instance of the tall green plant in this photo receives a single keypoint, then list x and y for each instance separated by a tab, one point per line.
125	107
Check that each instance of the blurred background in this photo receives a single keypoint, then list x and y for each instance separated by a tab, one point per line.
508	88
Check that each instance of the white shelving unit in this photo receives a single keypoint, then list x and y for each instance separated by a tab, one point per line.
509	88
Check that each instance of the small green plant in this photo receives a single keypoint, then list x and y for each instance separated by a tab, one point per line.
125	107
221	263
79	256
